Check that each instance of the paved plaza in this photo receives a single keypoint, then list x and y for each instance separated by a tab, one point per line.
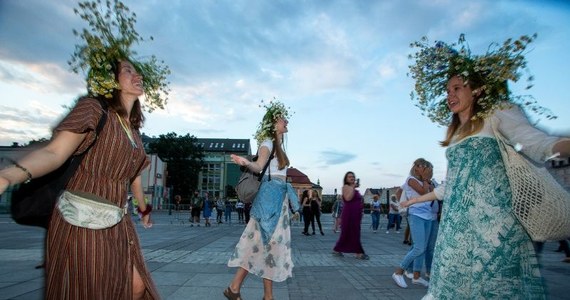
190	263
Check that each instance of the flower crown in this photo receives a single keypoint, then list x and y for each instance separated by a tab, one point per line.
434	65
108	41
266	128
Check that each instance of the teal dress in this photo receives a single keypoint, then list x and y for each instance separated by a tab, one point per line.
482	251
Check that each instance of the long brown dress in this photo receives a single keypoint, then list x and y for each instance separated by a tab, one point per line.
98	264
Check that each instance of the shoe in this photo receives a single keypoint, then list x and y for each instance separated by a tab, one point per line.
231	295
337	254
397	231
405	242
363	257
409	275
420	281
305	233
322	233
399	280
313	233
387	231
566	260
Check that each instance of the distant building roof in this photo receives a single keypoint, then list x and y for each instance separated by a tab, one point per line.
225	145
298	177
214	144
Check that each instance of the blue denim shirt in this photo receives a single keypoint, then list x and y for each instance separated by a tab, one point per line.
268	203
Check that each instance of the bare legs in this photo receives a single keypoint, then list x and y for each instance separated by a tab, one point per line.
240	276
138	285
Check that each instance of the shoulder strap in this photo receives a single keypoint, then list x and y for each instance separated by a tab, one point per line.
266	165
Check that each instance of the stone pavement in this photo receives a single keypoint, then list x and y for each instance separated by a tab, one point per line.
190	263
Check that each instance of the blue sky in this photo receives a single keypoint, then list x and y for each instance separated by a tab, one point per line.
340	65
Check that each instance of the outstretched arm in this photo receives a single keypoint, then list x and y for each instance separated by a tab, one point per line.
423	198
43	160
255	166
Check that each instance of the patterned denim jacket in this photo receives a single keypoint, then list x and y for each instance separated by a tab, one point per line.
267	206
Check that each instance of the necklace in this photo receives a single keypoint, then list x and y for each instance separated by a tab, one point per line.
127	131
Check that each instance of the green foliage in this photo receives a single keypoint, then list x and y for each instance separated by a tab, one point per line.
184	160
266	128
435	64
108	41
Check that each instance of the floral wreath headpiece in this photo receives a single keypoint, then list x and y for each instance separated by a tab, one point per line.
273	111
434	65
108	41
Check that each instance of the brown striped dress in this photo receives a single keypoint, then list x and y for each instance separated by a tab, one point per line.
98	264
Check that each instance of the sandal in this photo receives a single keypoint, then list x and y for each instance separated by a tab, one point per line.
231	295
363	256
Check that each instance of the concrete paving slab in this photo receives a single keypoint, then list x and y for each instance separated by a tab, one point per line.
190	263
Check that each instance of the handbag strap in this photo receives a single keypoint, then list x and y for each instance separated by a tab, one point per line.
266	166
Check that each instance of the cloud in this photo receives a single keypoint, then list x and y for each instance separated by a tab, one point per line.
334	157
25	124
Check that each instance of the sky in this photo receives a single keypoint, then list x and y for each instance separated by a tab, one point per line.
341	66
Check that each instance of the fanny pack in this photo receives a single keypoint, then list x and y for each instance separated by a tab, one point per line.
89	211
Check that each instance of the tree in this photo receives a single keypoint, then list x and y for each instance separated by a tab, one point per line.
184	158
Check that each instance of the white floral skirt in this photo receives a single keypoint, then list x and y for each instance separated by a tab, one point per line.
272	260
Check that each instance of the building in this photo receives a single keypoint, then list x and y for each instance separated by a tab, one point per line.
219	171
301	182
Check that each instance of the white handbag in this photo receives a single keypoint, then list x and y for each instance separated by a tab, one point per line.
539	202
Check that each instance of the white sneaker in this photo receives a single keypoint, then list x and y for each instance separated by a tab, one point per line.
397	232
387	231
409	275
399	280
420	281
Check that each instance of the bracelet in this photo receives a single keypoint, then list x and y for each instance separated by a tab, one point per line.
146	211
17	165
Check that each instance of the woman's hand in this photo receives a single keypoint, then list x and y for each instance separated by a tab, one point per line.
405	204
296	216
242	161
146	221
4	184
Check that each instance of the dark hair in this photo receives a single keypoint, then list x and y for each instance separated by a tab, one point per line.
305	194
136	118
346	176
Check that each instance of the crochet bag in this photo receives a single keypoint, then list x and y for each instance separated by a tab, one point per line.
249	182
33	203
539	202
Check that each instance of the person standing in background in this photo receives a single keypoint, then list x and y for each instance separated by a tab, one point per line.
349	239
376	214
394	218
336	213
316	210
228	211
219	209
307	214
197	204
239	208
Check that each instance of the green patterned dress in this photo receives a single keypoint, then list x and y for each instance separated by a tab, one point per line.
482	251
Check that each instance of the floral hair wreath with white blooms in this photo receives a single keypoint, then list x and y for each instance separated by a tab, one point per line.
108	41
266	128
434	65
